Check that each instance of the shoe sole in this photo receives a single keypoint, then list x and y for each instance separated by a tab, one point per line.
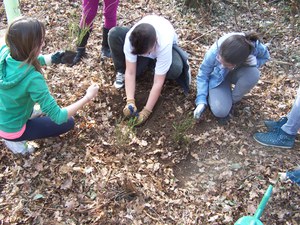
27	151
190	77
104	57
117	86
269	145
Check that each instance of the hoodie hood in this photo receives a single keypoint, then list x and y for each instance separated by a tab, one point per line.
11	70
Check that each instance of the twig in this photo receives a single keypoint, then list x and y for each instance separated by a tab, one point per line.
195	39
134	19
156	219
235	19
282	62
5	203
245	178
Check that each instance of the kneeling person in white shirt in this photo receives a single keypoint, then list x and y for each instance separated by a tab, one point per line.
152	41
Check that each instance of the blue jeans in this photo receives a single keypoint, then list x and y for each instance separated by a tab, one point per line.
222	97
43	127
293	123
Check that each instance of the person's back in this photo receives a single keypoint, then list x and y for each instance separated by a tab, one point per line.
16	81
22	85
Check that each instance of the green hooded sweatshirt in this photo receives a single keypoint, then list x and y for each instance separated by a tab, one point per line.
21	86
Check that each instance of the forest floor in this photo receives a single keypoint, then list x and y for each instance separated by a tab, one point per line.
171	170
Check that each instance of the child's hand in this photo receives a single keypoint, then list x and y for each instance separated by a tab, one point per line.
92	91
143	116
199	110
130	108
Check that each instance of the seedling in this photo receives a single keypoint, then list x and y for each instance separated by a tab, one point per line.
180	129
124	131
75	36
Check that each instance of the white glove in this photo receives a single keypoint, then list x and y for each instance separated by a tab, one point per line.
199	110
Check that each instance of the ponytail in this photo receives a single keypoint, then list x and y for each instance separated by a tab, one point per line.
252	36
236	48
24	38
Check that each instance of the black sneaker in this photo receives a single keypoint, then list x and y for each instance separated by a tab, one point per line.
105	52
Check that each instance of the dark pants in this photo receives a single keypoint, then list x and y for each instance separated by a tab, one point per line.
43	127
116	39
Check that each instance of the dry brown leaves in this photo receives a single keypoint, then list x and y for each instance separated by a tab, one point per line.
105	172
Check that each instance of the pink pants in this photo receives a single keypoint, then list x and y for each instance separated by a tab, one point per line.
89	11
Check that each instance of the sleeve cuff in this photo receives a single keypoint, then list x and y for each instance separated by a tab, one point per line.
200	100
48	60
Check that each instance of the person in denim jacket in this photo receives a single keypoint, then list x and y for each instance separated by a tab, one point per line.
233	59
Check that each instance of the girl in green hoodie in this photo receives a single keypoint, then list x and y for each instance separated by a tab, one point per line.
22	85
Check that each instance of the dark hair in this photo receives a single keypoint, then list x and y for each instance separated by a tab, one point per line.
24	38
236	48
142	38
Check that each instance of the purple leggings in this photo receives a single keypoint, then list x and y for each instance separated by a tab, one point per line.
89	11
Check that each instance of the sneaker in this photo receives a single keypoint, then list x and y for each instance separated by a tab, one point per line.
120	78
19	147
105	52
271	124
275	138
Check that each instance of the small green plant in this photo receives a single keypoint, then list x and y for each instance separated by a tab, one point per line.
180	129
77	33
124	131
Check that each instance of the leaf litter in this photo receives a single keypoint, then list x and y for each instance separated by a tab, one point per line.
215	176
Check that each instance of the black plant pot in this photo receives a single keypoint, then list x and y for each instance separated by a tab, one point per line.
68	57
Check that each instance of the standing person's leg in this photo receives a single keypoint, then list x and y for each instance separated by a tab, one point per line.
293	123
110	8
110	20
43	127
283	132
220	99
89	11
244	78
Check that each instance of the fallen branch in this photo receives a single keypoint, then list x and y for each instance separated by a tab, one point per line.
195	39
282	62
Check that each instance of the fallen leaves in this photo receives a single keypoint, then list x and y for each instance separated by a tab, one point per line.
106	172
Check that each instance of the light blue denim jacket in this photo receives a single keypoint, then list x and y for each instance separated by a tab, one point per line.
212	73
